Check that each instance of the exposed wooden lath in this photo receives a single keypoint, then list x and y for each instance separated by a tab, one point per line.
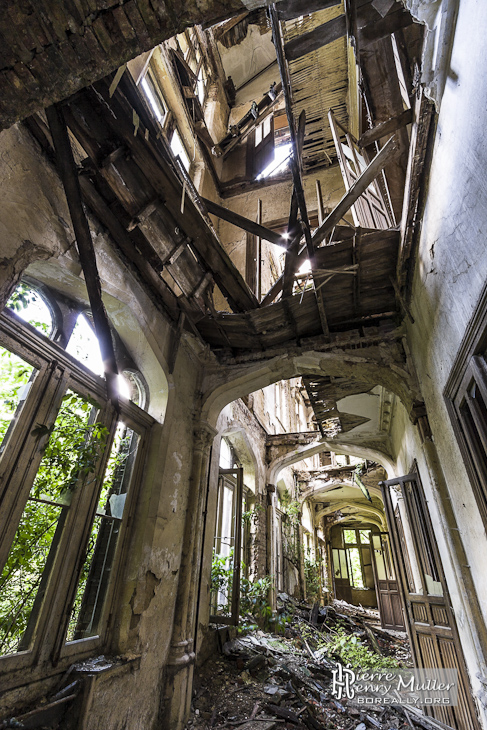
319	82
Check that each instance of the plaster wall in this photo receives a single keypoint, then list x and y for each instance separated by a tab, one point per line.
451	267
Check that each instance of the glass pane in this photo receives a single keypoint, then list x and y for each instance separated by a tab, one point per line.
365	537
179	150
32	308
83	345
16	378
69	456
258	135
336	563
103	540
153	97
349	536
379	559
267	126
355	567
343	564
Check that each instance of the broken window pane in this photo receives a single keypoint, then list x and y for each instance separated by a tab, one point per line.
349	536
365	537
103	540
16	376
69	457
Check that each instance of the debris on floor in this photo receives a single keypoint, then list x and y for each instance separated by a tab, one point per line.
268	681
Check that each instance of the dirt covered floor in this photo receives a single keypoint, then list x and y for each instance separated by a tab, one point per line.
263	680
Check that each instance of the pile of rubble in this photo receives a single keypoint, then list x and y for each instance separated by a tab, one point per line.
268	681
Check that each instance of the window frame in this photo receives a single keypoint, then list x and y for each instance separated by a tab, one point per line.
57	372
470	367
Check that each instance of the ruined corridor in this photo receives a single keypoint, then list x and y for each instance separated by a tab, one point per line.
243	362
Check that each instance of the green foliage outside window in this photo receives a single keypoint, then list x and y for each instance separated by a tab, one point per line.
69	458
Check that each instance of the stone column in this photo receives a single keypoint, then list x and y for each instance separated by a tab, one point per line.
179	672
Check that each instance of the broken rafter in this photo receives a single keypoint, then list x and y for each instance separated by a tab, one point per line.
295	159
247	225
248	123
384	128
316	38
390	23
361	184
69	176
292	254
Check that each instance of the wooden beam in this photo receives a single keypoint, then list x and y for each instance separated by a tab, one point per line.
384	128
229	24
316	38
69	176
295	8
361	184
259	252
290	263
243	135
286	87
295	160
319	198
384	26
273	292
345	233
245	223
123	240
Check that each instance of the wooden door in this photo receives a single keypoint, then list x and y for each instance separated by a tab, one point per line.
386	584
430	620
341	575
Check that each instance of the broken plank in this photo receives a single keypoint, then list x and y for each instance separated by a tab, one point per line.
290	263
361	184
378	29
247	225
385	128
316	38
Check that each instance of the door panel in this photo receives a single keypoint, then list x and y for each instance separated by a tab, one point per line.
386	585
430	621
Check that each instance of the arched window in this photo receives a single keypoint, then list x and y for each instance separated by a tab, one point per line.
33	308
69	468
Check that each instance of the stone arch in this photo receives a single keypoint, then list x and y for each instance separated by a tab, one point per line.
334	483
239	439
374	366
363	508
338	447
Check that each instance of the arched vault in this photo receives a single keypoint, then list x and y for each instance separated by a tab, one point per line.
383	364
